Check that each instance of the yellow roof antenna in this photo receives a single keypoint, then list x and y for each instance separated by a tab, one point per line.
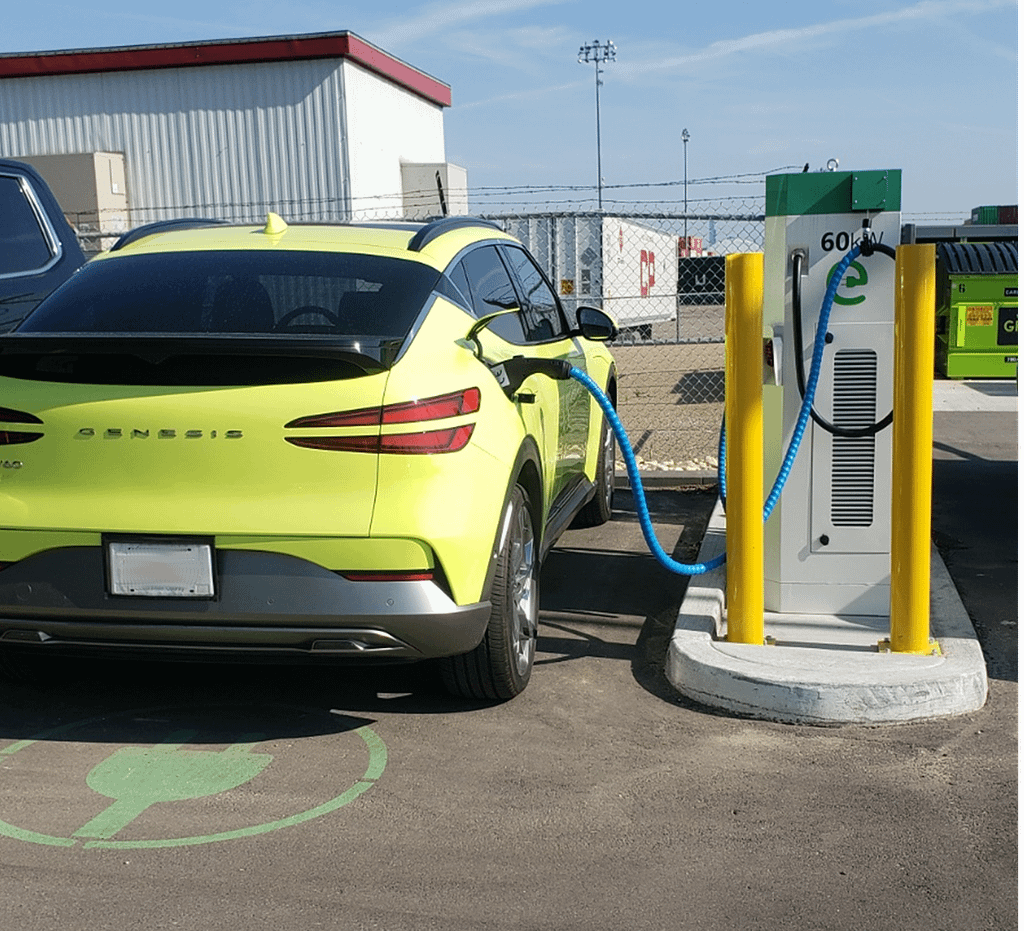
275	225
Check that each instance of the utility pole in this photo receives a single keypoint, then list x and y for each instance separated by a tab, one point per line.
598	54
686	207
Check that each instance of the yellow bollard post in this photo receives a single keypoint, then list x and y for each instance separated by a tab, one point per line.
912	451
744	533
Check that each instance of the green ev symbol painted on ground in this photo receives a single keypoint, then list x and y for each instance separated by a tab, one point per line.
858	280
136	778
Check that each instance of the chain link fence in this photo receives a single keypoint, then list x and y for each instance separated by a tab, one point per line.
98	230
661	275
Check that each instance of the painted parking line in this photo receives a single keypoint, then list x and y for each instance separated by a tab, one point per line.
171	771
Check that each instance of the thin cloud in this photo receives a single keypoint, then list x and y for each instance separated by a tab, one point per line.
439	17
527	50
778	38
523	95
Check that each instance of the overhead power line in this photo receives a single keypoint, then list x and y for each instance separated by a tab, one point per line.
744	178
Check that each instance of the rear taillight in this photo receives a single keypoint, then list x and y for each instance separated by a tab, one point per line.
432	441
13	437
440	407
9	416
445	405
436	408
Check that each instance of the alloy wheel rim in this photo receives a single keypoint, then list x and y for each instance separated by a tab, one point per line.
609	464
524	592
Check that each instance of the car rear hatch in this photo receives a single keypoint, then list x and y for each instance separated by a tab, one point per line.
169	389
196	443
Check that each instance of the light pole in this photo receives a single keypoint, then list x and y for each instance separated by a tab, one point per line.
686	207
598	54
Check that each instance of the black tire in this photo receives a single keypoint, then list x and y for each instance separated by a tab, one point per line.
598	510
499	668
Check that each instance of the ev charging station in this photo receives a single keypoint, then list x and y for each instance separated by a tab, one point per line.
845	389
836	417
827	542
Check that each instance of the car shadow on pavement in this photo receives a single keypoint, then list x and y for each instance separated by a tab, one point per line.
618	602
603	596
326	698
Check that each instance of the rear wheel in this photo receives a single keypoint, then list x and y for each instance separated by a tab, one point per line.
500	666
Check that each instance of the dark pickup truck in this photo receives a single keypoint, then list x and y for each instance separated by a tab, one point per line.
38	247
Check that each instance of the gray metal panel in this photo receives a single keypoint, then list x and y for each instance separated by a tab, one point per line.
227	142
966	233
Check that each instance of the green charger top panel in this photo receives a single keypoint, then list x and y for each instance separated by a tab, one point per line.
832	192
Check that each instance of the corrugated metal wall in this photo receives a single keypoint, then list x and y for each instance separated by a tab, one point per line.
388	126
225	141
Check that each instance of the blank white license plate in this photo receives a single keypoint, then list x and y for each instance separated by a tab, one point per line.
161	570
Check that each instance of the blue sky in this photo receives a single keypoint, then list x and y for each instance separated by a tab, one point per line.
929	87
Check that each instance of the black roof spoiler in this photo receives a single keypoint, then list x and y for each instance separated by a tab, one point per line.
436	228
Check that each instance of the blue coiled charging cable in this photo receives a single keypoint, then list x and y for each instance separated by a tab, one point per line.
512	372
643	512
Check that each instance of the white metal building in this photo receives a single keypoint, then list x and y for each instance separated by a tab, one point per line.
321	126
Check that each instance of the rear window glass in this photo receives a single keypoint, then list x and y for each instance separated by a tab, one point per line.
252	293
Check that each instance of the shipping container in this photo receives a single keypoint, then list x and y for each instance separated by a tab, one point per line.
1005	214
984	215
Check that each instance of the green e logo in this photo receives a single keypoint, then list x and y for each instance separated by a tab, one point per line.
858	280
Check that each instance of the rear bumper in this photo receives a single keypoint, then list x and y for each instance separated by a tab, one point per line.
267	604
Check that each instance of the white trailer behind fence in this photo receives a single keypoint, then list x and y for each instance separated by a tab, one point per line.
629	270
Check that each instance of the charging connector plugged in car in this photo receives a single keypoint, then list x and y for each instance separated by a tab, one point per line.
511	373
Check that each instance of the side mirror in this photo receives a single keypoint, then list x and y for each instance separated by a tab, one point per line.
596	324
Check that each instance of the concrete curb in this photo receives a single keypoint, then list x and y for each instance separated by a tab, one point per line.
824	670
666	479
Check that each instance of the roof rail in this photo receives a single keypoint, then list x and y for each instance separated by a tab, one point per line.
435	228
163	226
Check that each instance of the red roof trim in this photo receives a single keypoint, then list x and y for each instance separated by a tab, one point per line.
242	51
380	62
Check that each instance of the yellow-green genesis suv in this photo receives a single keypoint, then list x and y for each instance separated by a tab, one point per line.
297	441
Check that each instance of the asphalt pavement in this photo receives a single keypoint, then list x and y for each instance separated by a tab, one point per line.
213	797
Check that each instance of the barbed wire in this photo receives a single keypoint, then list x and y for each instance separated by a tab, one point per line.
394	205
750	177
